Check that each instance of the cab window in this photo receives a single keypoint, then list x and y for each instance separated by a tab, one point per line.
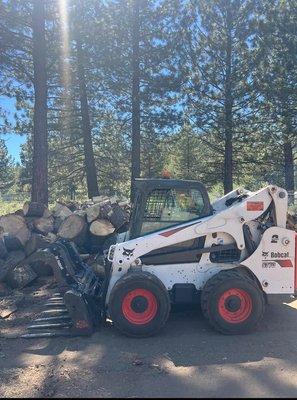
166	207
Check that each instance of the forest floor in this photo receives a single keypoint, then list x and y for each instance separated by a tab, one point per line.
186	359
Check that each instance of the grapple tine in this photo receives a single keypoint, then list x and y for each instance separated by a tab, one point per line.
56	297
53	325
56	305
46	334
58	318
58	311
76	309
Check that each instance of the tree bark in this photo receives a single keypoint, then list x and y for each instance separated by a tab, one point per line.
90	167
39	191
135	153
228	159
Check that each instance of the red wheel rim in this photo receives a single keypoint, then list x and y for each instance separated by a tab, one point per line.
241	303
149	303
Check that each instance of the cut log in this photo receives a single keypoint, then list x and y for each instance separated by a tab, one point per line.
12	242
73	228
99	199
3	249
114	213
118	217
114	199
98	269
123	203
42	263
93	212
33	209
292	222
16	225
13	259
19	212
51	237
46	213
101	227
10	303
57	223
36	242
45	263
81	213
20	276
44	225
61	211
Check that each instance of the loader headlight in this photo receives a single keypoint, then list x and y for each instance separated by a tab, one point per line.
111	251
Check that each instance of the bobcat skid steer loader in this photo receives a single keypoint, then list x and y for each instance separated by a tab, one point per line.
229	255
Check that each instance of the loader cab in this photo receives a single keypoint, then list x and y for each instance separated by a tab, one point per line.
161	203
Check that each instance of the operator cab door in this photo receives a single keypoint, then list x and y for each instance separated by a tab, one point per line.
162	203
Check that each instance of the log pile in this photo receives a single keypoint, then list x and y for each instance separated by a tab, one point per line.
292	221
25	232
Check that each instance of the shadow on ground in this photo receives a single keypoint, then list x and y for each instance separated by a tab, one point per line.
187	358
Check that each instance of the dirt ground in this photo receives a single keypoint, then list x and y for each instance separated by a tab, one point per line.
186	359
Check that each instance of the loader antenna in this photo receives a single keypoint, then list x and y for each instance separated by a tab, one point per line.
78	308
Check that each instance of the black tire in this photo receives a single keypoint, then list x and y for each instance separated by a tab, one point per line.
232	302
151	307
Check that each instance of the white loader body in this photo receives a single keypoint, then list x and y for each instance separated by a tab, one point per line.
273	260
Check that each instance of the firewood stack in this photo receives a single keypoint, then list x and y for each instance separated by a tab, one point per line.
24	233
292	221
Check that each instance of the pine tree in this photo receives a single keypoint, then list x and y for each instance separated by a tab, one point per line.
6	168
219	63
276	47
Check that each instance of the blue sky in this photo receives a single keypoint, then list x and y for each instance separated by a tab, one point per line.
13	142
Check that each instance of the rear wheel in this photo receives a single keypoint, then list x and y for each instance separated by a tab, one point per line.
232	302
139	304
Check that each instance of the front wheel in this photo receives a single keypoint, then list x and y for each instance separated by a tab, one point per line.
139	304
232	302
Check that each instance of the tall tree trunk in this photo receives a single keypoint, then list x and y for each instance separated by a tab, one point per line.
90	167
39	191
135	157
228	167
289	170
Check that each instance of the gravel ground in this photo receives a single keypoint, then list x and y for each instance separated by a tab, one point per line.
186	359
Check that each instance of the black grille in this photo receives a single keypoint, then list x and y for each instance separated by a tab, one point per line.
155	204
228	255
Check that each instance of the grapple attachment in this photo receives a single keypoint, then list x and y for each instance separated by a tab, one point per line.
78	308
